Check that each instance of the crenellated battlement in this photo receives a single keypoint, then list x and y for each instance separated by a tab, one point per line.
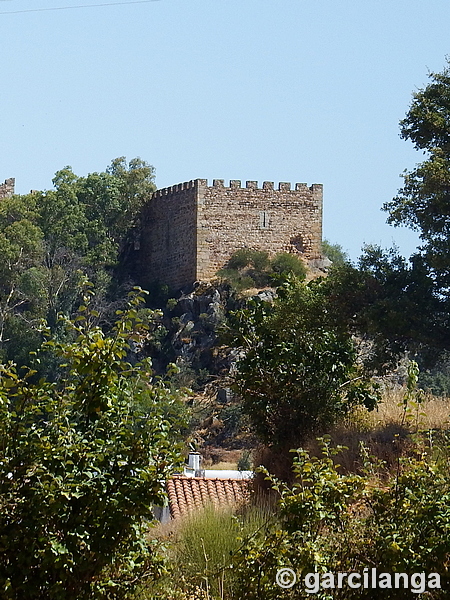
236	184
7	188
175	189
283	186
191	229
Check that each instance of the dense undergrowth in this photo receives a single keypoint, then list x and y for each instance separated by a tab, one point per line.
380	503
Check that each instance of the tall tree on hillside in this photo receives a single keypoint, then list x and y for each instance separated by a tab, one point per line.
423	203
298	370
51	239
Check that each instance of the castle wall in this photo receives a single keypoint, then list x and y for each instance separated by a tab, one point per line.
190	230
7	188
168	239
269	219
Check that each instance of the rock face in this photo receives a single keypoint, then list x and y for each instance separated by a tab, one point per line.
194	323
190	230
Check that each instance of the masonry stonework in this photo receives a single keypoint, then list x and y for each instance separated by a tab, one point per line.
7	188
190	230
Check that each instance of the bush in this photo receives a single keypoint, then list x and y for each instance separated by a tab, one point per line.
335	253
298	370
249	268
334	523
285	263
82	461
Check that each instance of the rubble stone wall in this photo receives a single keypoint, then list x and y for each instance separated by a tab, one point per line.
168	248
7	188
269	219
190	230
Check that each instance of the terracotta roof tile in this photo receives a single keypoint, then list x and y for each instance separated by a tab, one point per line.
188	493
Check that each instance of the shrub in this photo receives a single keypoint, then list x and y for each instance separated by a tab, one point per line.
81	462
329	522
298	370
335	253
240	259
284	263
248	268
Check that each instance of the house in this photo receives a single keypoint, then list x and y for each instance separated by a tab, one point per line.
196	488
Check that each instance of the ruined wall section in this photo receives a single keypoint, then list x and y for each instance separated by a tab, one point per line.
269	219
7	188
168	249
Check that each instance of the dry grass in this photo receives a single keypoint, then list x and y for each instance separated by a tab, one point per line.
433	413
386	431
200	546
225	466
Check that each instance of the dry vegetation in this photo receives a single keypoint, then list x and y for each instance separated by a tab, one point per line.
386	431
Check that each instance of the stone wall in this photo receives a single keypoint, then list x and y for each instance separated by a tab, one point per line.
7	188
168	247
274	220
190	230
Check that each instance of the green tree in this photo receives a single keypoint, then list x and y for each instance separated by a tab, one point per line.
335	253
81	462
298	372
51	239
22	252
423	203
332	522
390	304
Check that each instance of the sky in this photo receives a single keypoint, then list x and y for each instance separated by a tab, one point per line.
267	90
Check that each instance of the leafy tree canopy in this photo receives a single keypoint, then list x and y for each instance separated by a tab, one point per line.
335	253
423	203
50	239
298	372
81	462
391	305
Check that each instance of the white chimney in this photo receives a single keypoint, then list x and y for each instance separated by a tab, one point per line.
194	459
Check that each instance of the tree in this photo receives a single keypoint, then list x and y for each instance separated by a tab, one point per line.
335	253
298	372
423	203
330	522
390	305
51	239
81	462
22	251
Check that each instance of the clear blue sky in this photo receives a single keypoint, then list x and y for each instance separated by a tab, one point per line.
278	90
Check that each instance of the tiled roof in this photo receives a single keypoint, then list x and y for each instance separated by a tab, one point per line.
188	493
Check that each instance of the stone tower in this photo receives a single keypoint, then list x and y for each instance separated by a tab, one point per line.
7	188
190	230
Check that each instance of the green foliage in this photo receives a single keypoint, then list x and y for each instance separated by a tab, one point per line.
82	460
329	522
437	379
244	257
335	253
50	239
285	263
423	201
245	461
249	268
391	304
298	372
